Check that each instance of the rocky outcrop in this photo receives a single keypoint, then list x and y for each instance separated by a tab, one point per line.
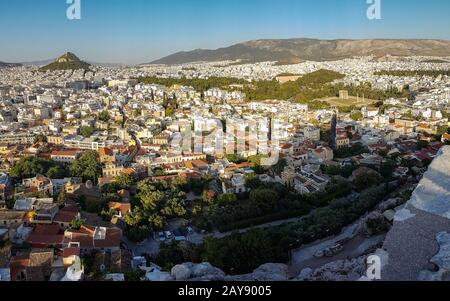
206	272
182	272
266	272
341	270
411	243
441	261
197	272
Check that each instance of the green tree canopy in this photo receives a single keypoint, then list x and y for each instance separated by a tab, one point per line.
28	167
104	116
88	166
87	131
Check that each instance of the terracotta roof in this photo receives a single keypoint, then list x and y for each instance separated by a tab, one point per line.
65	153
122	207
105	152
46	229
66	215
286	146
44	240
105	180
73	251
85	236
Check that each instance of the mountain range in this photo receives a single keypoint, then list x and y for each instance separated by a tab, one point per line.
303	49
8	65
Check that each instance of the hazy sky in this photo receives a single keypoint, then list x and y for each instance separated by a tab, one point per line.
138	31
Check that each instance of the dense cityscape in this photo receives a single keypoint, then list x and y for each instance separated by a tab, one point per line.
224	148
100	181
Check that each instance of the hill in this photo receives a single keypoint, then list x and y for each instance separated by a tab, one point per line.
296	50
9	65
67	61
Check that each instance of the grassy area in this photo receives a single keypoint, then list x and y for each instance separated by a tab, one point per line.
351	101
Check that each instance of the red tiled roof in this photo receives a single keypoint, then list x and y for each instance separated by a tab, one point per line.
85	236
66	215
46	230
122	207
105	152
42	241
71	252
65	153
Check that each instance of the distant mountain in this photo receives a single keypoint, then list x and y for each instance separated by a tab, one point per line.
9	65
47	62
67	61
38	63
297	50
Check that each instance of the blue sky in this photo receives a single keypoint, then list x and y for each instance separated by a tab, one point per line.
137	31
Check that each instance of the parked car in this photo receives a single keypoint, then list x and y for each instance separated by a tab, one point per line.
189	230
168	234
180	234
161	236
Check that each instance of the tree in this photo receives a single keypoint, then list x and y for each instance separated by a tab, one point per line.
28	167
252	182
208	196
357	116
87	131
104	116
367	180
264	199
138	233
76	224
173	253
124	181
387	169
234	159
88	166
159	172
249	251
354	150
133	275
157	202
422	144
227	198
62	197
41	138
169	112
57	172
137	113
279	166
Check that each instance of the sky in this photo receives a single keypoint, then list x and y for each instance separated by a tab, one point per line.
140	31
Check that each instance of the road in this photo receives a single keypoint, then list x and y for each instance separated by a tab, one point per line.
356	245
197	238
149	246
354	248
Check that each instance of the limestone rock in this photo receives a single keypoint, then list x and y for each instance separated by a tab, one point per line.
341	270
441	260
205	271
159	276
182	272
266	272
305	275
271	272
